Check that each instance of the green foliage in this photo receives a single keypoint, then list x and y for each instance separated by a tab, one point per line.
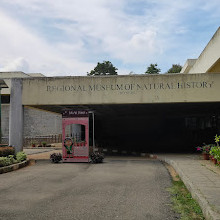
217	139
152	69
21	156
176	68
103	69
5	161
215	152
5	151
183	202
212	149
12	159
44	143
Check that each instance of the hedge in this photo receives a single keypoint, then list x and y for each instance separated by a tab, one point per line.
11	159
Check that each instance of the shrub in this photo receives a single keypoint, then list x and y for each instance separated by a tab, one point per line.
217	155
5	161
56	157
21	156
5	151
215	152
97	157
217	139
12	159
43	143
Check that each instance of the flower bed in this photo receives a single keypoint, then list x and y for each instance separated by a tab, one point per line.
13	159
211	151
13	167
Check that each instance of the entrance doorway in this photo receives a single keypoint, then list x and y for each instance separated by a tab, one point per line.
149	128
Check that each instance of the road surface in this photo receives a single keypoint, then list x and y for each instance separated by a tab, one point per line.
119	188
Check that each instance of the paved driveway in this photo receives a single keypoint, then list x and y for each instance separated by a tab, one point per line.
116	189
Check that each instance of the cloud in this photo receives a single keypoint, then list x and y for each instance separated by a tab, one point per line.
19	64
69	36
18	41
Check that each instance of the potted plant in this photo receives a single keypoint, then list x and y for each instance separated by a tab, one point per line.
205	150
44	144
218	157
56	157
97	157
217	139
33	144
213	153
215	150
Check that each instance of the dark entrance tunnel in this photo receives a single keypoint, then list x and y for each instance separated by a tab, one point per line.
157	127
149	128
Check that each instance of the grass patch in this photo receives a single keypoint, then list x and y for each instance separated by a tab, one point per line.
183	203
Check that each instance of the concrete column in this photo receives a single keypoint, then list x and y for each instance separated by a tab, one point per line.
16	115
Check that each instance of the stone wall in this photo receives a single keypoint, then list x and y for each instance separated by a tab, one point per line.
36	122
5	120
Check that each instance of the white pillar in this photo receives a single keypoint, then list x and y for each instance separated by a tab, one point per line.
16	115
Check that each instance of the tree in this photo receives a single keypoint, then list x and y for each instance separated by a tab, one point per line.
152	69
132	73
102	69
176	68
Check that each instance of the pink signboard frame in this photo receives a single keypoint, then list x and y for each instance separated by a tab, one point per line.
75	151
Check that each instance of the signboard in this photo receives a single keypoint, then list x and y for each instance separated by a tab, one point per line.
75	113
75	127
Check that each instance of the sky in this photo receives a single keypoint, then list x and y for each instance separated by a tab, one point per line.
69	37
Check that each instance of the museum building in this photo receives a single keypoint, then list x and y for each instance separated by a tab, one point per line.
132	113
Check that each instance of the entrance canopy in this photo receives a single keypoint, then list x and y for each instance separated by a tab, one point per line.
134	89
128	105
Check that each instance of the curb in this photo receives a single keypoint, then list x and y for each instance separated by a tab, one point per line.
43	148
207	210
14	167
